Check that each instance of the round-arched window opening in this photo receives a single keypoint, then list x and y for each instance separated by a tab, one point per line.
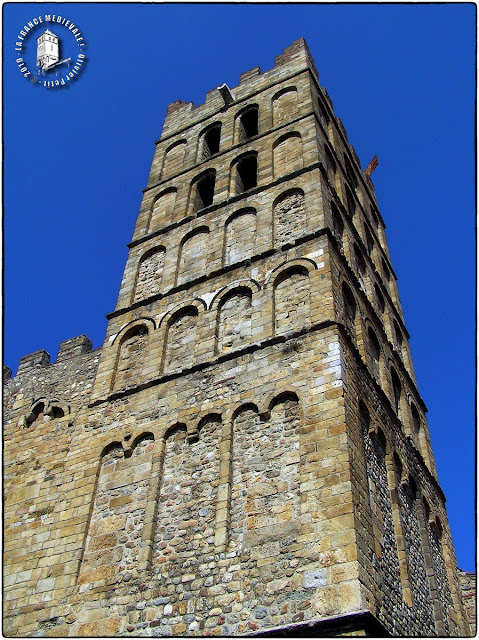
374	347
397	390
349	304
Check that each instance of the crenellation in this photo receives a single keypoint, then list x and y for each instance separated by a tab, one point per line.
249	75
248	452
73	348
33	360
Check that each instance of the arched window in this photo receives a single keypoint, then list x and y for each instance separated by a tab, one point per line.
285	106
374	348
289	216
350	173
245	173
150	270
350	203
118	515
364	416
330	163
131	357
203	190
287	154
379	299
386	271
181	339
162	212
349	305
209	141
35	414
412	487
398	469
397	390
193	255
56	412
292	300
240	235
369	242
416	420
323	114
338	225
247	123
174	156
234	320
197	461
361	265
397	333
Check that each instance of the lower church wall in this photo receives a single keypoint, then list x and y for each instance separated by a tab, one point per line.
195	507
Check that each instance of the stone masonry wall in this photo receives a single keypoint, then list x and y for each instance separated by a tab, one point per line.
248	451
398	563
169	558
468	585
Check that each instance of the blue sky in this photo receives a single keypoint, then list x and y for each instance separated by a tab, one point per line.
402	79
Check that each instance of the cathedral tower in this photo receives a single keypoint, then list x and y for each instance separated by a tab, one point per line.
248	453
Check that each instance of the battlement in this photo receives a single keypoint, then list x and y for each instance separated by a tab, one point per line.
180	114
71	348
74	347
33	360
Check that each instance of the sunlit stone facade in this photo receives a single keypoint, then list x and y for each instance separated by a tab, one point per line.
248	452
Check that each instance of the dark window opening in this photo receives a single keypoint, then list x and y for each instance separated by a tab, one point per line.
322	112
369	242
330	164
396	389
412	488
364	414
398	469
351	204
374	347
427	510
136	332
205	189
416	420
437	528
379	298
35	413
57	412
349	304
248	124
386	272
211	142
246	174
338	224
359	260
398	333
350	173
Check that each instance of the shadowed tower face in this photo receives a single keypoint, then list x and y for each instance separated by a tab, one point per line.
48	50
251	452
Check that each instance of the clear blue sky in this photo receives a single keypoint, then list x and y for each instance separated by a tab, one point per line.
402	79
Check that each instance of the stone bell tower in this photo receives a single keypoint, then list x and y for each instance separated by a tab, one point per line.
252	456
48	50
